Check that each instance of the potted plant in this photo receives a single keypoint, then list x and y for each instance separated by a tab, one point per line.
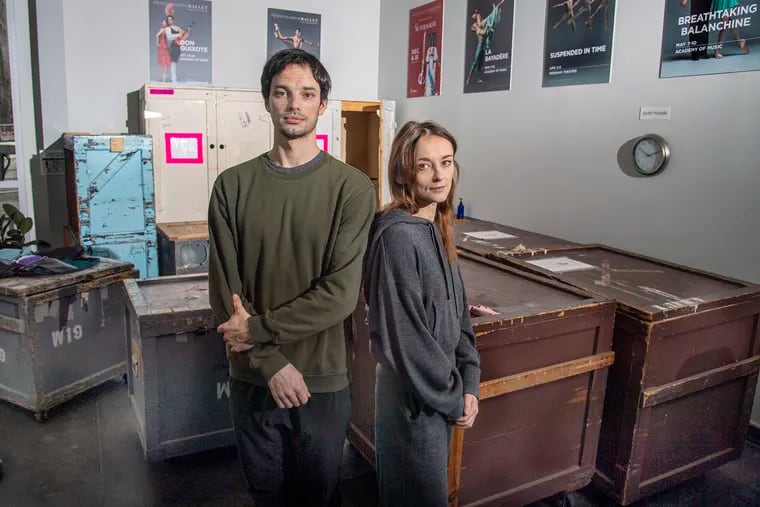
13	226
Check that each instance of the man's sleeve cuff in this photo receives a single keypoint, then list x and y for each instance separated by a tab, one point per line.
270	365
257	329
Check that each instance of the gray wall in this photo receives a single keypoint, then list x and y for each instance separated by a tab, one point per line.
92	52
545	159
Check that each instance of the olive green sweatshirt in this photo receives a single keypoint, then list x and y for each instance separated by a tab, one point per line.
290	242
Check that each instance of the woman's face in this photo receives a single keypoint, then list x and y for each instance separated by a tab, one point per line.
163	23
434	161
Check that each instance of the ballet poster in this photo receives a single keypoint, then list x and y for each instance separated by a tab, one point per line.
710	37
425	37
488	48
293	29
578	43
180	41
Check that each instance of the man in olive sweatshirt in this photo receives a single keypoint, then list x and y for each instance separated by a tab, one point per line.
287	233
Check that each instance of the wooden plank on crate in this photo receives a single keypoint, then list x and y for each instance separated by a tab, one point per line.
699	382
455	466
359	106
532	378
184	231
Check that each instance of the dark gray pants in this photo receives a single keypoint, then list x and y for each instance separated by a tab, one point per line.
290	457
411	447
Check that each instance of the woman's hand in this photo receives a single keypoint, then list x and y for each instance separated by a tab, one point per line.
481	311
470	412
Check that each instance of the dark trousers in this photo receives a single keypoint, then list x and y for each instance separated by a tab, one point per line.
290	457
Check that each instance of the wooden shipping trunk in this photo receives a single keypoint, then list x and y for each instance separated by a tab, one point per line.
687	354
179	376
183	248
544	362
61	335
496	240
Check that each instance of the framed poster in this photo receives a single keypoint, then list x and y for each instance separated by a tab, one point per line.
180	41
293	29
578	42
710	37
425	53
488	48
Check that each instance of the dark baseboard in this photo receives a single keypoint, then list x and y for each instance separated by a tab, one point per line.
754	434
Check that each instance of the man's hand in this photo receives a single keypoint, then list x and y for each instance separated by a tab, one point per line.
288	388
470	412
684	2
235	330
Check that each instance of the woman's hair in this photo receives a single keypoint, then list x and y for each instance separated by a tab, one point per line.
402	173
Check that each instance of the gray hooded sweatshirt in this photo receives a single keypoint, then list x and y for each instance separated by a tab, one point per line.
419	320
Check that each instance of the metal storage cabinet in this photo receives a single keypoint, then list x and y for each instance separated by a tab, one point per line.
178	380
183	248
109	186
544	362
687	354
198	132
532	242
212	129
61	335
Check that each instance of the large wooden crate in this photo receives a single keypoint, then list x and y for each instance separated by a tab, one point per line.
109	188
183	248
62	334
687	354
178	379
544	363
491	239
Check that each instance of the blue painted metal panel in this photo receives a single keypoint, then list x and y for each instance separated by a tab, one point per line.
115	198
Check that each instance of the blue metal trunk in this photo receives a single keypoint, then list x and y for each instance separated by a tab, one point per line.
111	198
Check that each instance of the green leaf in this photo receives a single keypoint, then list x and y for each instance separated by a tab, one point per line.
15	215
25	225
10	209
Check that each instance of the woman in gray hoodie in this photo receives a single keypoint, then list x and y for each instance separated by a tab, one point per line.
420	333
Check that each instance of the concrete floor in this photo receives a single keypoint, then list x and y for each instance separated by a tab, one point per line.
88	454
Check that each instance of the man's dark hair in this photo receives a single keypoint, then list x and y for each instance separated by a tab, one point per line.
282	59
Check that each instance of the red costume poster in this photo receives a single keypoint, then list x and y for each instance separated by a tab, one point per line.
180	41
425	36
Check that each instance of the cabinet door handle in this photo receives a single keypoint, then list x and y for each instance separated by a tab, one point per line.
221	146
211	146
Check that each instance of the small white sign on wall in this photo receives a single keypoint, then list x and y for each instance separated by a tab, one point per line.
654	113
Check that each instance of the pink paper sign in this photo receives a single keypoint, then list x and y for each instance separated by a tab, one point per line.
183	148
322	142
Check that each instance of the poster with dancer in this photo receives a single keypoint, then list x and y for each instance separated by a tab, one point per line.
180	41
710	37
578	42
424	59
488	49
293	29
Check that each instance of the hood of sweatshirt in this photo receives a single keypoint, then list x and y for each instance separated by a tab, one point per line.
383	220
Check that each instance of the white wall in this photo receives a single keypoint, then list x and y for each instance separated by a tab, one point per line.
545	159
92	52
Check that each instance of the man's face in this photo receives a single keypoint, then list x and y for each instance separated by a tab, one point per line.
294	102
298	32
170	20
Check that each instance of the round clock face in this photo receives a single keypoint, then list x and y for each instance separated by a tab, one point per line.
650	155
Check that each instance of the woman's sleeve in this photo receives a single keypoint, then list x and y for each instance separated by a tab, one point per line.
467	356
